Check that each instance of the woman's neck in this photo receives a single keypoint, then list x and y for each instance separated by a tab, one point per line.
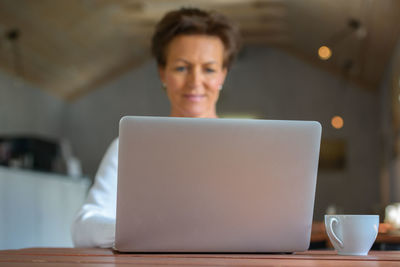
211	114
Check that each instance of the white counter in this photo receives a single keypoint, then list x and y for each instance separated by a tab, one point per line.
37	209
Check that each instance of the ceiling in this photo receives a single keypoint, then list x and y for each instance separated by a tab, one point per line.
71	47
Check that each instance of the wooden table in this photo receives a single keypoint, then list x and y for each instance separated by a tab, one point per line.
106	257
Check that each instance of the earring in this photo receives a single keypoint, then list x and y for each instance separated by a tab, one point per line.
220	87
163	86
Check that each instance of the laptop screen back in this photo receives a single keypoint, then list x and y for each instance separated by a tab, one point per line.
215	185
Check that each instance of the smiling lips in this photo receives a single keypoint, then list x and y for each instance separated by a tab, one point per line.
194	97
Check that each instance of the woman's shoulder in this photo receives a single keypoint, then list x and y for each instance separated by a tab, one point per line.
114	144
111	154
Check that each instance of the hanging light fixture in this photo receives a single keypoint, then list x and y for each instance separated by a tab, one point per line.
13	36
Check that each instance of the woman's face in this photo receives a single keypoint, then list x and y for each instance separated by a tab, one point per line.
193	75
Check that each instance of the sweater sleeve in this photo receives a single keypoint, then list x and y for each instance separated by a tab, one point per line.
94	225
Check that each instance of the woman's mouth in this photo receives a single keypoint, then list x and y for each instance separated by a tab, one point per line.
194	97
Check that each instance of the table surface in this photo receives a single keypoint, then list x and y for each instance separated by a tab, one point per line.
107	257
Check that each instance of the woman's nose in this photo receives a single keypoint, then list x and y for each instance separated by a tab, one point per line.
195	78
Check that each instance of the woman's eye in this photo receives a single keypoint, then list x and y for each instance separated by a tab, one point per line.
210	70
180	69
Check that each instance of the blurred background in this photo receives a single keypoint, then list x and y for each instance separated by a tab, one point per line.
69	70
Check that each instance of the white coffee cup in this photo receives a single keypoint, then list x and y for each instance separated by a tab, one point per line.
352	234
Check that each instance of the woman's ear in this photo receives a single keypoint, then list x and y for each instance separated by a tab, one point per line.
224	73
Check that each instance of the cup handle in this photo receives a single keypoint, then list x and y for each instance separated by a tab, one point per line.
334	236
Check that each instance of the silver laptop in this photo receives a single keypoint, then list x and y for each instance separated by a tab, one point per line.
215	185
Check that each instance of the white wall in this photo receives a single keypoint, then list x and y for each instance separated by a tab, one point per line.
25	109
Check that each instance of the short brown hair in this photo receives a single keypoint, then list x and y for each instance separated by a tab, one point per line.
188	21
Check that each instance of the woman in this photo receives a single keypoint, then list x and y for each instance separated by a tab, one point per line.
194	50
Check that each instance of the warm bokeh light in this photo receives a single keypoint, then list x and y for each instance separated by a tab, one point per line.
324	52
337	122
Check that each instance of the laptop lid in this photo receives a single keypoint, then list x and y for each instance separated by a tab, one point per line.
215	185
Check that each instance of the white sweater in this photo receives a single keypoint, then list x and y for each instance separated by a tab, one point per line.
94	225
